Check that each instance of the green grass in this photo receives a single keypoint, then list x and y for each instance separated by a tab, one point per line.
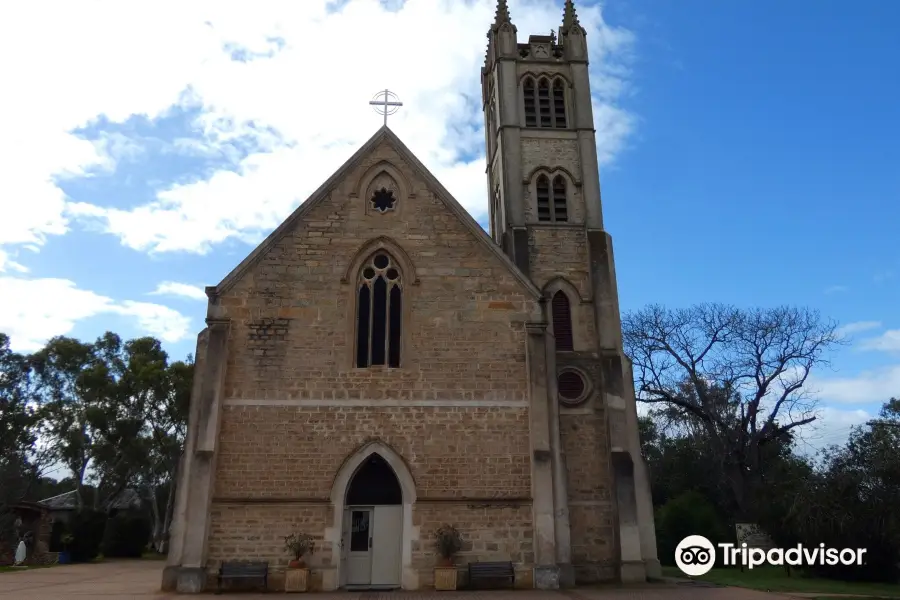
776	580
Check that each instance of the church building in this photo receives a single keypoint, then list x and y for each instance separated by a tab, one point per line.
380	366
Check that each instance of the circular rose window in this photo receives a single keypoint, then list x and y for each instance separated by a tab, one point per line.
572	387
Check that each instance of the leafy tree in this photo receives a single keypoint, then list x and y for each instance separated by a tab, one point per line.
20	460
689	513
735	376
75	385
852	502
165	428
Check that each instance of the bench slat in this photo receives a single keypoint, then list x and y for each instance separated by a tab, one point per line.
243	570
485	571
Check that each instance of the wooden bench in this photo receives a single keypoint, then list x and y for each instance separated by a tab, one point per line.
243	571
481	572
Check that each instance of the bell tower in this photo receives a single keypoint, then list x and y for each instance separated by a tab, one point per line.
539	133
546	214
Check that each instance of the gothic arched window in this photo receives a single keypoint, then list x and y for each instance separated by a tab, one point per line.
530	99
562	321
551	201
544	102
546	114
543	198
559	199
559	105
379	310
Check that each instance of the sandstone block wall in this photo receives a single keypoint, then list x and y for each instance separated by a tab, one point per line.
292	331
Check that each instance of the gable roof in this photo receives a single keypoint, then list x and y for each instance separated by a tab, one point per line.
384	133
127	498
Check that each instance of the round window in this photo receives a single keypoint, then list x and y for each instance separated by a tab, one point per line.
572	387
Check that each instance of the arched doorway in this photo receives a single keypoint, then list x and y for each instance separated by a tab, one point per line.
373	526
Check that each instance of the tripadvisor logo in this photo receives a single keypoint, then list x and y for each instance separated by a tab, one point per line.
695	556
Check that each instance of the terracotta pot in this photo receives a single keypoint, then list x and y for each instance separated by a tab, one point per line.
445	561
296	564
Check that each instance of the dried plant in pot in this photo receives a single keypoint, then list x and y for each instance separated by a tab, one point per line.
448	542
299	545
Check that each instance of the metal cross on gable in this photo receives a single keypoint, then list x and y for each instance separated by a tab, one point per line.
388	104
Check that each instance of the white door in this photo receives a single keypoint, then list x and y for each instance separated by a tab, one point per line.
359	555
387	530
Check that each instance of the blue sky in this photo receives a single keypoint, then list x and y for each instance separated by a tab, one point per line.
748	153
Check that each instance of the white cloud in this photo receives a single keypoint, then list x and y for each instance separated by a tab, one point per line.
832	426
836	289
34	310
160	321
889	341
184	290
873	386
8	264
304	106
857	327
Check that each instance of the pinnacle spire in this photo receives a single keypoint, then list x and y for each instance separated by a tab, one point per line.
501	16
570	17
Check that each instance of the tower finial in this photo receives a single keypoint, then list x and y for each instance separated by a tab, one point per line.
570	17
502	14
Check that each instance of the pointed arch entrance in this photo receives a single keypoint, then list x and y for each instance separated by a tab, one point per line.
372	496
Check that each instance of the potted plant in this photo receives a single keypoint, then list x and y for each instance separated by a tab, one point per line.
448	542
296	578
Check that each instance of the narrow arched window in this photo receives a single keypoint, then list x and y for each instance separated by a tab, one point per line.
546	114
551	200
559	104
559	199
496	215
562	322
542	187
379	313
530	102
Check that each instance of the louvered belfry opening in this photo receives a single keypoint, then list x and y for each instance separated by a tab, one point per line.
551	201
562	322
379	313
542	187
560	212
530	102
544	103
559	105
544	108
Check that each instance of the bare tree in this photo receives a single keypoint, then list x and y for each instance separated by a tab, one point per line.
735	375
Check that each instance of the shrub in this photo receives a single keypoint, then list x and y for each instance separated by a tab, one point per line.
87	529
125	536
687	514
448	542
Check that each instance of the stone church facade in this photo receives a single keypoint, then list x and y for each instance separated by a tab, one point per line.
380	366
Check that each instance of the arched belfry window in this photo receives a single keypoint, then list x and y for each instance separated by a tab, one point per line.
530	102
559	105
544	102
562	322
551	200
546	116
379	312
